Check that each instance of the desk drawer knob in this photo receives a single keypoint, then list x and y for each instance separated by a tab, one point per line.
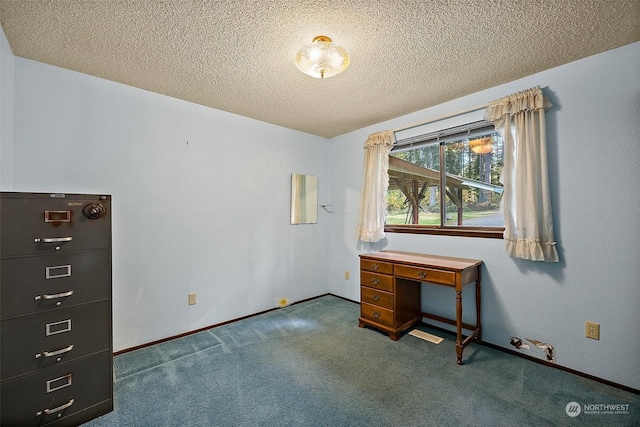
422	274
375	281
375	267
376	298
376	314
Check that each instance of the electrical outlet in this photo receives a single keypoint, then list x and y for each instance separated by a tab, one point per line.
346	275
192	298
592	330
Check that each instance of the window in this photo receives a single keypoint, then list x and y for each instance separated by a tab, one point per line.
447	182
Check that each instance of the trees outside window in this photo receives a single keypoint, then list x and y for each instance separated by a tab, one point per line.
447	180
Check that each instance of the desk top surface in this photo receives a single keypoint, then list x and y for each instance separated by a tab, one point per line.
438	261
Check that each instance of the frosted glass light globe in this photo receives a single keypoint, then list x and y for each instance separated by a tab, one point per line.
322	58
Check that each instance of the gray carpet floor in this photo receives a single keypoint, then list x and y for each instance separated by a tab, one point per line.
311	365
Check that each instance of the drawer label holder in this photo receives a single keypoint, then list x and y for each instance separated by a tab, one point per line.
57	216
58	327
58	383
57	271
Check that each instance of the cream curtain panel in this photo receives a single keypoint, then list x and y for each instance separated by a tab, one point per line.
375	182
526	206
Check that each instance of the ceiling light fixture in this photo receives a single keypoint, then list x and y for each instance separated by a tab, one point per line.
481	145
322	58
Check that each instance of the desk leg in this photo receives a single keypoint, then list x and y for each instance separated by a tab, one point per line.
478	324
459	347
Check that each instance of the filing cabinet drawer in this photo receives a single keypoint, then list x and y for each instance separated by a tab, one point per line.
426	275
376	266
58	392
36	284
47	339
376	314
376	281
376	297
43	224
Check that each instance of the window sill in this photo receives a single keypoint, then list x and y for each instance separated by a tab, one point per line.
484	232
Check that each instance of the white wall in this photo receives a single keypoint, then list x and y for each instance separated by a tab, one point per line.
6	113
200	197
593	143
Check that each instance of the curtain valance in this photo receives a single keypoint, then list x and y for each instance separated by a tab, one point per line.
528	100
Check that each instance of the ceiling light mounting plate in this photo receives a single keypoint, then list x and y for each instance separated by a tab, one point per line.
323	39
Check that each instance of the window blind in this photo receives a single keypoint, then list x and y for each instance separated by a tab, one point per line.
466	131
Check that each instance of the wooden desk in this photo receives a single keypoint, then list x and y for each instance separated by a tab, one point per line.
390	284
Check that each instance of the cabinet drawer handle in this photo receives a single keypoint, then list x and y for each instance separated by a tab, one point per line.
422	274
54	296
54	353
375	281
54	410
376	314
376	298
375	267
53	239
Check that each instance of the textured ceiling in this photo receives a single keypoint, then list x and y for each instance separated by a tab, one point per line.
237	55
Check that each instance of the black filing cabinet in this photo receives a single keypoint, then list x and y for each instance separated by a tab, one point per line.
56	348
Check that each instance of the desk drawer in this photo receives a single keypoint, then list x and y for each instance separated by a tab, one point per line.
426	275
376	314
376	281
376	266
376	297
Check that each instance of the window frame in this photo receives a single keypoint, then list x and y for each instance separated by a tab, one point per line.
441	137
